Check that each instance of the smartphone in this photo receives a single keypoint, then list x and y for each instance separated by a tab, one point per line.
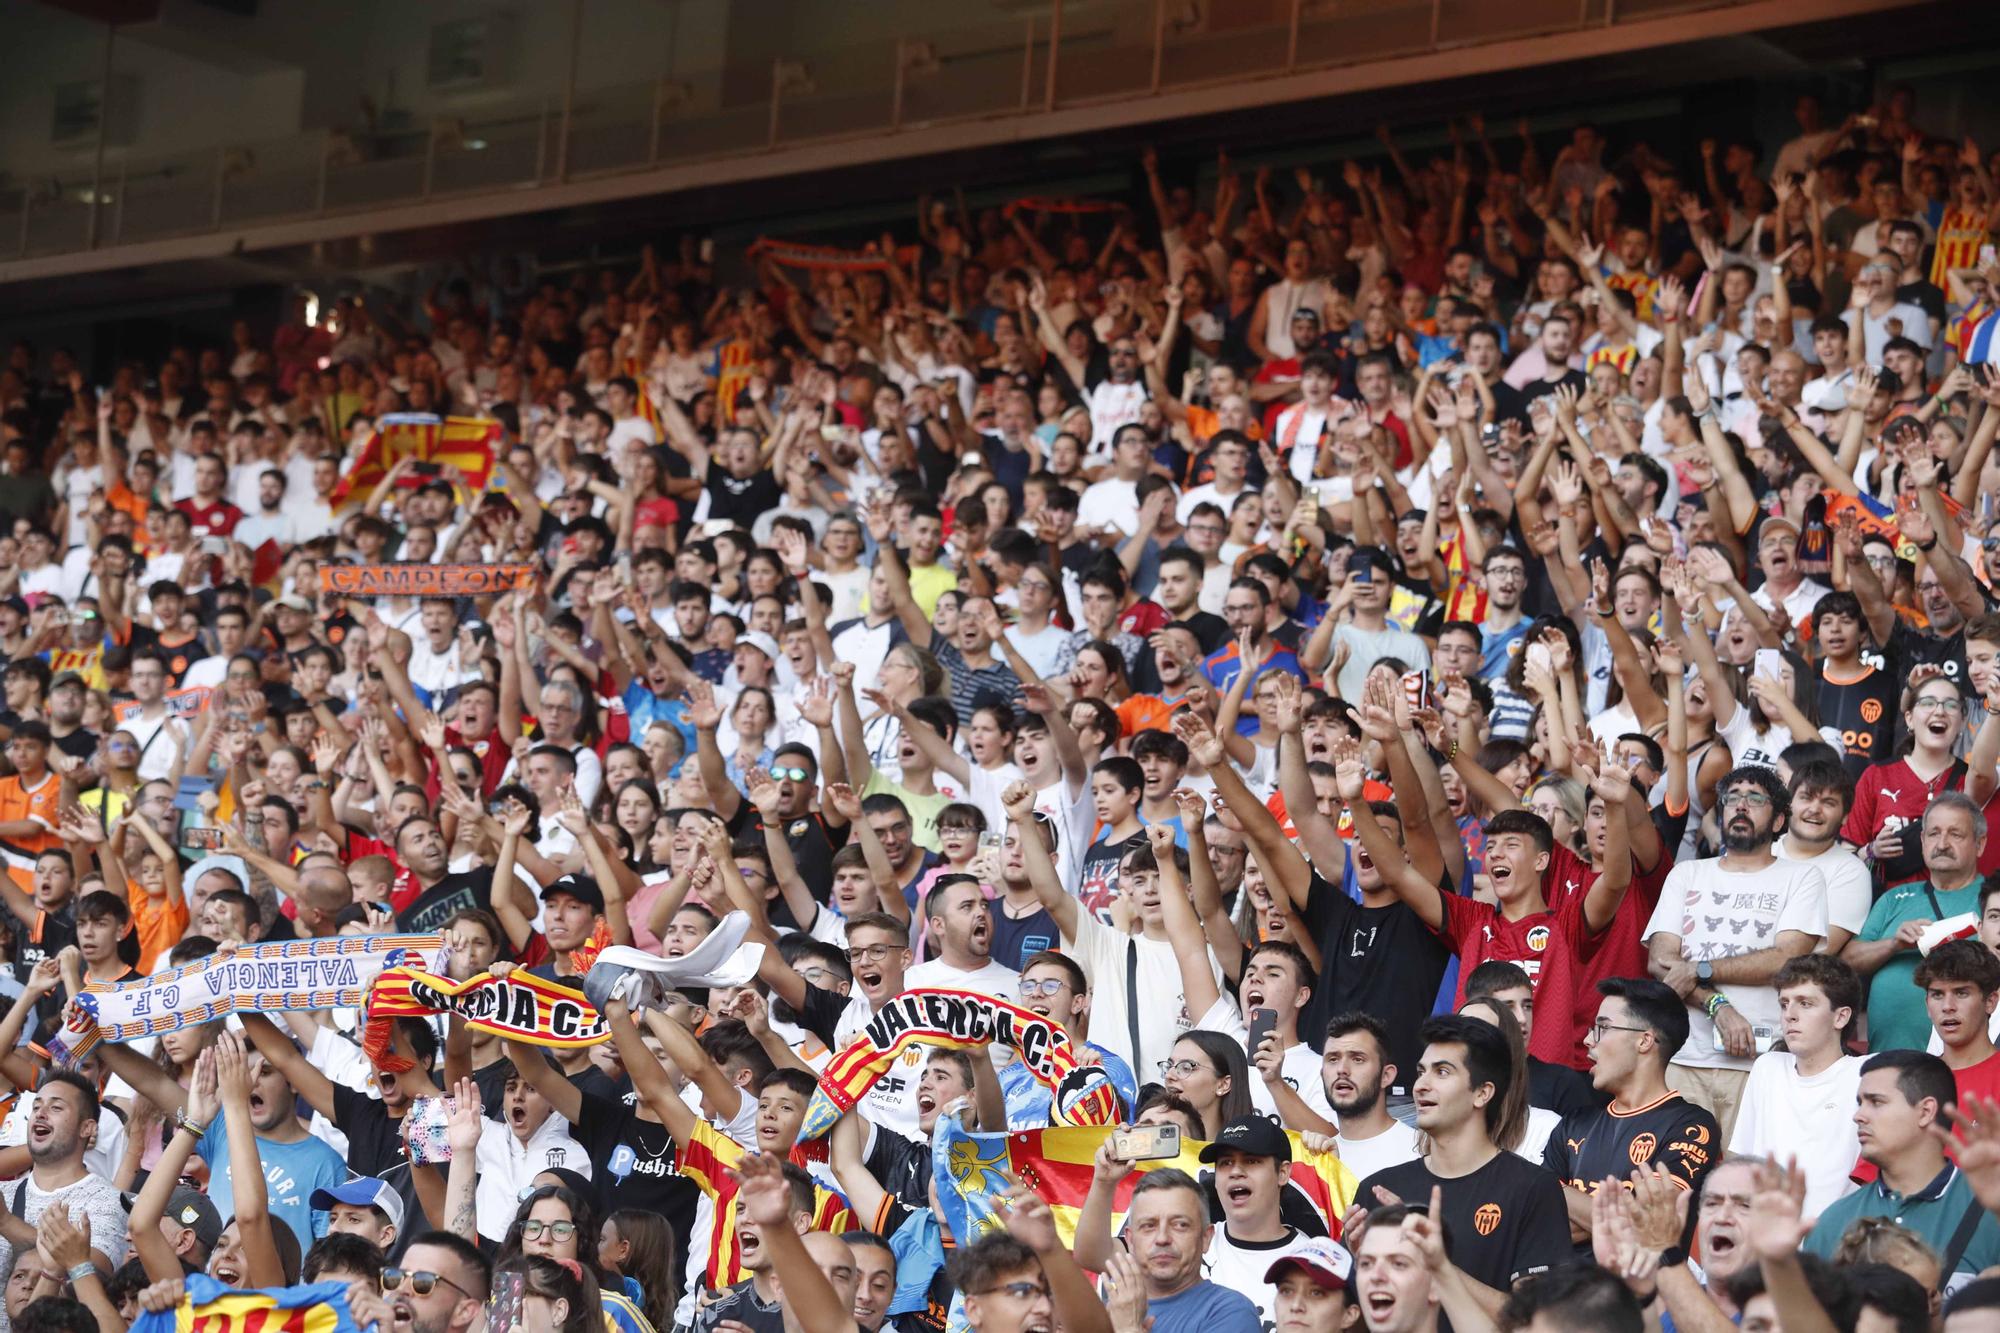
215	546
1263	1022
506	1300
831	434
427	469
424	1129
201	839
1770	664
498	809
989	842
1146	1143
1362	573
1538	656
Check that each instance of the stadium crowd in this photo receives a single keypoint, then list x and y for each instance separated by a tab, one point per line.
1472	681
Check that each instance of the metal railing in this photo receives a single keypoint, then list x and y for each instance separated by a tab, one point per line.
1085	53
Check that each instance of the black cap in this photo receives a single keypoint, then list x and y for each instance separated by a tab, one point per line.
1255	1134
580	887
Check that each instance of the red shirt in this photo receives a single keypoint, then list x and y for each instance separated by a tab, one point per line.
493	755
1143	618
1620	951
1894	789
1547	946
216	520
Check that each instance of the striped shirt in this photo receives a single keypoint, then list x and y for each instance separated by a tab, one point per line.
970	685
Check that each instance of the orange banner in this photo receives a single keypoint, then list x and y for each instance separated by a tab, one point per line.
424	580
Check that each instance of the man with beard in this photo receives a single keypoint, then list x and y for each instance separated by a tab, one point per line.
295	1163
1356	1075
373	1126
456	1302
1885	952
439	893
1640	1023
1021	926
1721	931
61	1129
961	925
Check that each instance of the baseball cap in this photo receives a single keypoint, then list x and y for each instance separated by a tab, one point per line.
68	678
1774	522
1325	1261
188	1207
1254	1134
580	887
293	601
361	1192
761	641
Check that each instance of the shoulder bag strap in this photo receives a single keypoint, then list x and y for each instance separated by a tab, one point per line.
1961	1238
1132	1001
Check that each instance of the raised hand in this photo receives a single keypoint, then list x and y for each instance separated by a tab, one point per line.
763	793
1286	702
464	1118
1777	1228
762	1190
703	712
842	800
1204	746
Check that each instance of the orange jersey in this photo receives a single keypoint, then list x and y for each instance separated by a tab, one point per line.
37	804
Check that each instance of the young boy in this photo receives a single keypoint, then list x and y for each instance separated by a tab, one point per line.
1804	1094
1116	786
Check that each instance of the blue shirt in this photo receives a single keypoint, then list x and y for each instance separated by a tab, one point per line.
1499	647
1205	1308
1225	665
292	1171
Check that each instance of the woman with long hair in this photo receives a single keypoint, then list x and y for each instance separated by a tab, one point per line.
1523	1130
558	1223
637	1248
1210	1070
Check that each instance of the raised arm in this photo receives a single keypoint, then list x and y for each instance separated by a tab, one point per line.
1383	850
262	1267
277	1049
765	1197
1019	802
148	1241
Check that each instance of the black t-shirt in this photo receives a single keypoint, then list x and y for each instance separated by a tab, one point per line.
376	1147
813	846
741	498
821	1013
1560	1089
634	1168
45	937
452	894
1672	1133
1378	960
1507	1220
902	1167
79	744
1573	378
1863	709
740	1304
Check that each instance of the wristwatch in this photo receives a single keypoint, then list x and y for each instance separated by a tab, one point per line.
1704	973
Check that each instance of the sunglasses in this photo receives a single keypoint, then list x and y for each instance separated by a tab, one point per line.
421	1283
795	774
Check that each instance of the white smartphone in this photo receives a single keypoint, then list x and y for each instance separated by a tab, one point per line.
1770	664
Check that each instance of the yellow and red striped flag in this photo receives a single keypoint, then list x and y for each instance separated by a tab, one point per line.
466	443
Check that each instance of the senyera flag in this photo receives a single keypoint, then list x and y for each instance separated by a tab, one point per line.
466	443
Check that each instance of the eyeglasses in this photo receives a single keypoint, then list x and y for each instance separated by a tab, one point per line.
1756	800
421	1283
795	774
1604	1025
533	1228
874	953
1182	1067
1029	990
1020	1291
1936	704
